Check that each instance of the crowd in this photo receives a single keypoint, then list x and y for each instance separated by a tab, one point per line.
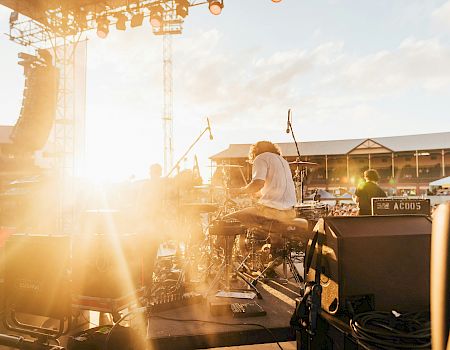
343	209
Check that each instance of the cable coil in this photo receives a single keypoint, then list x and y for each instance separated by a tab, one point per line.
390	331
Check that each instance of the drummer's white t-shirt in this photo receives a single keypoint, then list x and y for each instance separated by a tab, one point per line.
279	189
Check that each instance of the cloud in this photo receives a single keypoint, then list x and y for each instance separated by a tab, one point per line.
413	64
325	81
442	15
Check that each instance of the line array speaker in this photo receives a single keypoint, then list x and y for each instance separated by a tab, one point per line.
38	108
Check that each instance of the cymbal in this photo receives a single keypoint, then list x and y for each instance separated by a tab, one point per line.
227	166
208	187
304	163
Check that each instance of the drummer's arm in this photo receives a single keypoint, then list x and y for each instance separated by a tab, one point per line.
254	186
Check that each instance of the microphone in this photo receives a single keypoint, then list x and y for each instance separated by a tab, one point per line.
209	129
288	121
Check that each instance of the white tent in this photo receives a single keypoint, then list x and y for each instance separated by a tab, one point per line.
444	182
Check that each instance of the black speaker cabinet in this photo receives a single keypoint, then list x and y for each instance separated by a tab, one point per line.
385	256
37	279
106	266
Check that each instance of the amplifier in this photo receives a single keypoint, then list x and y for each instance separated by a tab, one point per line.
37	275
106	266
387	257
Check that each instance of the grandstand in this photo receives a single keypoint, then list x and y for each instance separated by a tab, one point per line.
406	164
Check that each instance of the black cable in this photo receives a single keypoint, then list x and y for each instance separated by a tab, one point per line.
105	347
220	323
386	331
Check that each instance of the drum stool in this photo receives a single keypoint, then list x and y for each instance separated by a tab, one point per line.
229	230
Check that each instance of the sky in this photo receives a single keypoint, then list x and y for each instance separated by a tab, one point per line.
346	69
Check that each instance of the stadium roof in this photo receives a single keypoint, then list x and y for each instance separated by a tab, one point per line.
5	133
406	143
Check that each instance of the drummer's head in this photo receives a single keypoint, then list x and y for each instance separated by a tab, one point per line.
261	147
155	171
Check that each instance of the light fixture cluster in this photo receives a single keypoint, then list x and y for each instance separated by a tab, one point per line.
156	11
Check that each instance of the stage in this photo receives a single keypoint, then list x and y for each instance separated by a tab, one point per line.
194	327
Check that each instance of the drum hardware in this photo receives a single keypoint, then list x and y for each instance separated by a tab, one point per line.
289	232
227	167
300	174
304	163
256	259
223	165
228	230
177	164
289	261
198	208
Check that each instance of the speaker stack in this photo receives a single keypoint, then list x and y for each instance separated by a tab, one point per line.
38	105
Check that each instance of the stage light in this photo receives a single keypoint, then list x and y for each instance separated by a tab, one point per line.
102	27
81	20
121	21
215	7
156	16
137	19
182	8
13	17
276	0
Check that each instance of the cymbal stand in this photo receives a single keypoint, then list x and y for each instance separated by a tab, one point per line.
226	179
299	179
300	175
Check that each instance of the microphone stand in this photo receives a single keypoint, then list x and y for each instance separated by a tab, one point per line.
299	174
186	153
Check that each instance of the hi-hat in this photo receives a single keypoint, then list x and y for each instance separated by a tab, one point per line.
301	162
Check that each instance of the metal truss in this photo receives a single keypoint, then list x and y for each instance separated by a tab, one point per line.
67	128
60	29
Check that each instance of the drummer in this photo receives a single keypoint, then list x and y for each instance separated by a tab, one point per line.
272	178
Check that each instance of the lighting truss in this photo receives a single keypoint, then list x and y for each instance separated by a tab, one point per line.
66	20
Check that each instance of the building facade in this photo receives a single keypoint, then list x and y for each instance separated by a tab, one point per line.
406	164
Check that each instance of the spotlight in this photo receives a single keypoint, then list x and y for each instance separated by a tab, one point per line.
121	21
276	0
182	8
137	19
215	7
156	16
81	20
13	17
102	27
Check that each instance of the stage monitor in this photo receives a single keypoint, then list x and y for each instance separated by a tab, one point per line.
387	257
37	279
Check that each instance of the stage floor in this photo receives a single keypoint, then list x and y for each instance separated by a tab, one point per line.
194	327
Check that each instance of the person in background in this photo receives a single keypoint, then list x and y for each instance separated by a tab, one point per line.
368	190
151	212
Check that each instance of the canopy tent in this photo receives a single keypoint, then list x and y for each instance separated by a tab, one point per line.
444	182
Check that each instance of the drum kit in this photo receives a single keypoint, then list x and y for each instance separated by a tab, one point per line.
212	258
